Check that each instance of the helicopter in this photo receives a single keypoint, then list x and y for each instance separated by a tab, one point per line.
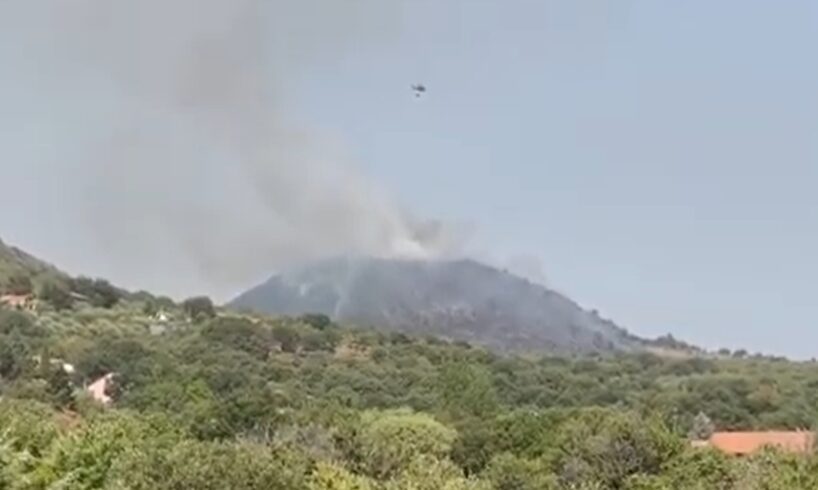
419	89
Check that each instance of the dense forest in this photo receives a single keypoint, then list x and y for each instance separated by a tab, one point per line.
205	398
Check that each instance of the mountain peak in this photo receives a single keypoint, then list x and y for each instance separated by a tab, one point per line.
461	299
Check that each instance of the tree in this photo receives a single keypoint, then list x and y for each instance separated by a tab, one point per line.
149	308
327	476
608	447
28	427
473	447
240	334
99	292
20	323
164	303
426	472
324	340
126	356
699	469
207	466
509	472
104	294
287	336
199	308
83	286
316	321
467	389
57	295
85	458
19	284
390	441
702	427
770	469
15	357
59	385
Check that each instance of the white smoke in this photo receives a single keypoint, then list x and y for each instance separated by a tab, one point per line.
190	169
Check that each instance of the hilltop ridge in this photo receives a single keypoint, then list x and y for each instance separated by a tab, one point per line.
16	262
459	299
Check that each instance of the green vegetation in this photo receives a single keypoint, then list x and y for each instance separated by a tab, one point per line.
18	268
199	308
239	401
217	399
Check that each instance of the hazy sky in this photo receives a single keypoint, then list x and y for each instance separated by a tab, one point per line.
659	158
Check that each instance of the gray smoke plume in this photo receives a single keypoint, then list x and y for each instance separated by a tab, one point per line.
186	166
527	266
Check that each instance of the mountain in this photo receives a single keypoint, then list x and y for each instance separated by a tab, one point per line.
461	300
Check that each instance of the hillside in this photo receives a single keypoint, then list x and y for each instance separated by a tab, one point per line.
204	398
15	263
461	300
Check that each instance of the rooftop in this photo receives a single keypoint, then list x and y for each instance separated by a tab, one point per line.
740	443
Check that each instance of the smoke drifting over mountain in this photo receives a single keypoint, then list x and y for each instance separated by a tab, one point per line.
184	164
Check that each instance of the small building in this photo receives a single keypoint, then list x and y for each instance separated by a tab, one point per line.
79	298
18	301
66	367
99	389
58	363
161	317
745	443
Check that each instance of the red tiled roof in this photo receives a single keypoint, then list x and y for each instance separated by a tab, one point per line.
15	299
748	442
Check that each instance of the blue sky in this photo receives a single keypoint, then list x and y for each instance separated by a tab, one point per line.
658	157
